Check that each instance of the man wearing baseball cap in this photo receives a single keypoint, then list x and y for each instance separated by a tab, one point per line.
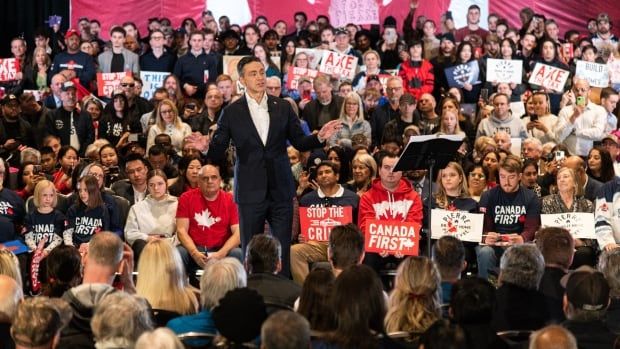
611	143
73	62
14	130
343	45
585	304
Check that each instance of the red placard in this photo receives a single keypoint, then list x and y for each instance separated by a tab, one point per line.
392	237
296	73
107	83
9	67
318	222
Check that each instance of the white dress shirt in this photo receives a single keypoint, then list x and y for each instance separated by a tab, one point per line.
587	128
260	116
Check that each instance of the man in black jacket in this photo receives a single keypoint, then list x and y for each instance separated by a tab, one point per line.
68	124
324	108
14	130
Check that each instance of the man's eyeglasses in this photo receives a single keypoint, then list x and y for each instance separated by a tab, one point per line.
128	84
96	175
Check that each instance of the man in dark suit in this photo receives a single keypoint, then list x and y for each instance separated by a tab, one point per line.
259	125
133	188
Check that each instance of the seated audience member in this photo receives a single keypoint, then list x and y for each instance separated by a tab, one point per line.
169	122
477	181
160	338
359	304
38	322
162	281
324	108
397	200
134	189
585	306
239	316
285	330
44	222
329	193
364	169
397	126
219	277
600	165
207	222
606	215
520	306
160	160
12	209
60	271
417	290
529	177
449	257
502	138
314	302
590	185
345	248
557	246
511	215
501	120
608	264
154	217
188	177
68	159
471	307
105	255
551	337
11	295
263	261
119	319
570	199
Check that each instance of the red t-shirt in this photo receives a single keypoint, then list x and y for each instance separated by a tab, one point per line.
209	221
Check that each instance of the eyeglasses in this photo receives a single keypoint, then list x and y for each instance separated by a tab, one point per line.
477	175
168	111
128	85
582	90
96	175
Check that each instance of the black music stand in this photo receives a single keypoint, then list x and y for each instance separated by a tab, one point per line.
429	153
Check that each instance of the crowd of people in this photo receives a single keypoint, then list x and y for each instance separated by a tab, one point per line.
178	220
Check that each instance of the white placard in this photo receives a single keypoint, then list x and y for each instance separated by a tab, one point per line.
151	81
336	63
462	225
504	70
549	77
596	74
579	224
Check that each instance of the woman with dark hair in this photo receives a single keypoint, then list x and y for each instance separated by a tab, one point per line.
359	304
548	56
314	302
529	177
251	36
27	179
490	161
261	52
189	24
94	109
60	271
289	48
88	216
68	158
111	164
114	125
341	157
189	169
477	181
465	55
600	165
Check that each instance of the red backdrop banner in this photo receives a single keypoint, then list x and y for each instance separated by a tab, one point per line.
568	13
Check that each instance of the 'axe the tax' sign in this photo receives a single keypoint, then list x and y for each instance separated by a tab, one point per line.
9	67
318	222
334	63
392	237
549	77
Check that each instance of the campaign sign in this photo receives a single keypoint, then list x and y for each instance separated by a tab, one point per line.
9	67
314	56
343	12
295	74
462	74
318	222
151	81
338	64
107	83
596	74
504	70
15	246
549	77
462	225
579	224
392	237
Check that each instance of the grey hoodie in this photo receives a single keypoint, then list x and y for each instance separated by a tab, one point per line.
491	125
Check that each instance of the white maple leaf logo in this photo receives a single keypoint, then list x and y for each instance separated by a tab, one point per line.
205	219
408	243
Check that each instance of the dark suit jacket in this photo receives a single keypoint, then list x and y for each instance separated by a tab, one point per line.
592	188
124	189
261	171
275	289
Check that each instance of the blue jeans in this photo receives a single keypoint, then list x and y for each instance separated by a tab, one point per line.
488	260
190	264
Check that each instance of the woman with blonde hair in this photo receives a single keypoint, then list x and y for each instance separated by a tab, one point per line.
167	121
452	192
364	171
415	303
9	265
37	74
162	281
352	119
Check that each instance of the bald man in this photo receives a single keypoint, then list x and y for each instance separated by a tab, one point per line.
553	337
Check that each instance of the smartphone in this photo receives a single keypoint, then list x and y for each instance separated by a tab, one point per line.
533	117
390	35
484	94
36	169
133	137
113	170
581	101
190	106
559	155
306	95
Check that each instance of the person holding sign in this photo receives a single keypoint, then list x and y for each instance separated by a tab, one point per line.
581	122
391	201
570	199
313	239
511	215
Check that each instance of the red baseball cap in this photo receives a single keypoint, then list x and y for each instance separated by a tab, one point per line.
71	32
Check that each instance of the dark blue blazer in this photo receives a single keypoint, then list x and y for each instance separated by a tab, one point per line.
261	171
